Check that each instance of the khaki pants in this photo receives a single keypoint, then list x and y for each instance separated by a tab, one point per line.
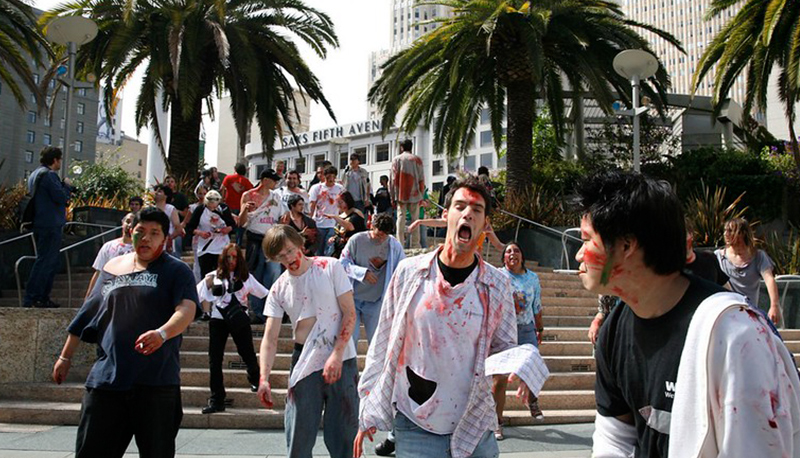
413	209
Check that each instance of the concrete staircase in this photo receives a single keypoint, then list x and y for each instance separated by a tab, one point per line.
567	397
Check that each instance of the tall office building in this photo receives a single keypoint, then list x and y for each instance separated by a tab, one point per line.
684	19
409	22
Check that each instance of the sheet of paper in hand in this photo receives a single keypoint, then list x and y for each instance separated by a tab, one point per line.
524	361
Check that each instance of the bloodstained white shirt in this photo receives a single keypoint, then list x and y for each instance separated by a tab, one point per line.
443	324
109	250
315	293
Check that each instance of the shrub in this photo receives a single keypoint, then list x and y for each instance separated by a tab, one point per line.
103	184
708	212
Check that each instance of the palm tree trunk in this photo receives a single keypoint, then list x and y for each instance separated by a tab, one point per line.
184	140
521	100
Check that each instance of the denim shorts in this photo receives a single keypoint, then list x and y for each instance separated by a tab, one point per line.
526	334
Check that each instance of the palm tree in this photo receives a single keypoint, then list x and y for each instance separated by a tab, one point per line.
20	40
763	35
490	52
193	50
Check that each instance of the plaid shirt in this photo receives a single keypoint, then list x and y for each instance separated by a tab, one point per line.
499	332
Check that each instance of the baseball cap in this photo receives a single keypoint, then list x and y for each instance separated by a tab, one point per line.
271	174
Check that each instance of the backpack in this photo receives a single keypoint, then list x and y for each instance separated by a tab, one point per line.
26	208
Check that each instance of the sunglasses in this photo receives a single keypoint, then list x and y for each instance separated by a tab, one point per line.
213	199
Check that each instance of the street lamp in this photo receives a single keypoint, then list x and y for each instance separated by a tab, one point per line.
635	65
72	32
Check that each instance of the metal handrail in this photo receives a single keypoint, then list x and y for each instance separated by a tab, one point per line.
20	237
564	244
65	251
787	280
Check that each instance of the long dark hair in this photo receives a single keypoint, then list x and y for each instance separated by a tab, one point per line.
522	253
241	272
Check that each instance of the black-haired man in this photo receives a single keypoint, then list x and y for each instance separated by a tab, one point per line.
443	314
50	197
355	179
370	259
734	392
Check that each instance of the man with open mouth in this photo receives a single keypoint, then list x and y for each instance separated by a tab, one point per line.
443	314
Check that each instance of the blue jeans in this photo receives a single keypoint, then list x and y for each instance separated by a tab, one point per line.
324	247
369	313
526	334
265	272
40	281
305	404
177	246
239	230
414	442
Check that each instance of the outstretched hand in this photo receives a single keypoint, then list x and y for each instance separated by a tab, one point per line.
523	392
358	444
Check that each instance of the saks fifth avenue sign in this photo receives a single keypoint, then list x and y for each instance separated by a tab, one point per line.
332	133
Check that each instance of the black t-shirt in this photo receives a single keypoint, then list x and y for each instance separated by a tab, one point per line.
382	200
120	309
637	366
455	276
706	266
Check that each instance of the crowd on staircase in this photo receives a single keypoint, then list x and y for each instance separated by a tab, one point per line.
446	331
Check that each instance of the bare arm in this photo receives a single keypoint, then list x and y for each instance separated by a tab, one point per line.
774	299
333	366
496	243
63	363
244	210
150	341
266	356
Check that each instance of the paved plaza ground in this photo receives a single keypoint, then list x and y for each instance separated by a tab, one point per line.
36	441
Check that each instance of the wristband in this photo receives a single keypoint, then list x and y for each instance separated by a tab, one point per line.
61	358
162	333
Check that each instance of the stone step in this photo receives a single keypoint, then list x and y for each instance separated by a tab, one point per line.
552	321
195	397
68	413
569	310
586	302
567	292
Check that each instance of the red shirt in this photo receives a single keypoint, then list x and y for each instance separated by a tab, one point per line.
235	185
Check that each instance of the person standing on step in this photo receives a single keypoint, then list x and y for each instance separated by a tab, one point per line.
407	188
370	258
684	368
262	208
181	204
292	188
235	185
162	194
302	223
227	289
527	294
323	202
135	204
112	249
383	198
355	180
211	222
317	296
201	197
50	197
443	314
139	307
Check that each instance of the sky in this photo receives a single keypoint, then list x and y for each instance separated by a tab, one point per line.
361	25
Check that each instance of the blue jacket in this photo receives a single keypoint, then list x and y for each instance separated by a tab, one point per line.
50	199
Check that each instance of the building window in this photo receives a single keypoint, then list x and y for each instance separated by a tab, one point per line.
140	162
438	167
437	186
138	174
81	108
46	121
469	163
31	136
486	138
318	160
382	152
29	157
32	117
33	99
343	160
61	142
485	116
362	155
47	139
79	127
501	162
300	165
62	123
36	78
79	147
486	160
82	92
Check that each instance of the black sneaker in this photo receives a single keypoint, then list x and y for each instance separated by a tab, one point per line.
385	448
46	305
213	408
254	388
205	317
